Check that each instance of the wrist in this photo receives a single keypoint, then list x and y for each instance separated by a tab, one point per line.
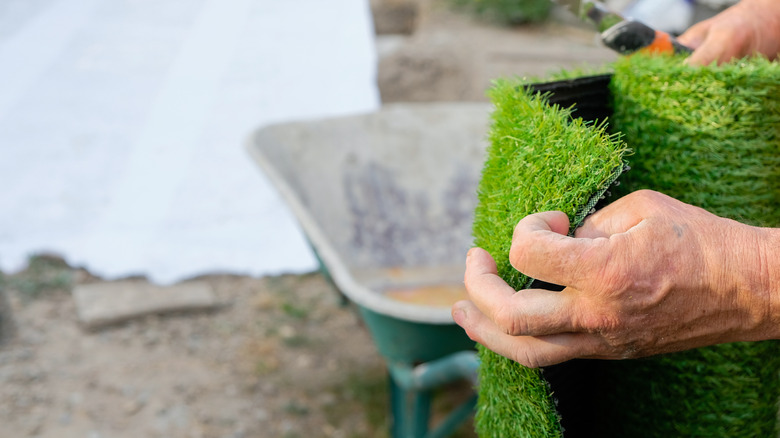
770	276
757	268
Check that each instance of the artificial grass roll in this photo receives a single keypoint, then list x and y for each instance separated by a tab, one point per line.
708	136
539	159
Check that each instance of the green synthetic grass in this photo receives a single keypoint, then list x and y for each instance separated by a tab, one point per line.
538	159
707	136
507	12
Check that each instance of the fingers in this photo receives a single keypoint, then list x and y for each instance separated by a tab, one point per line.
695	35
528	312
719	47
528	350
542	250
618	217
720	39
483	283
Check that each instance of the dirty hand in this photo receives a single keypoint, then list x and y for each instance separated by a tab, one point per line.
645	275
750	27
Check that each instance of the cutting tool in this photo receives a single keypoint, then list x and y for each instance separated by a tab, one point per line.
624	35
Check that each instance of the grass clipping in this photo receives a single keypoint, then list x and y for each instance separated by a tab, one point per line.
707	136
539	159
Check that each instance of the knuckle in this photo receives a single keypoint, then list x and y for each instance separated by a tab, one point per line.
627	343
646	194
614	279
509	323
625	349
527	357
602	324
649	197
517	257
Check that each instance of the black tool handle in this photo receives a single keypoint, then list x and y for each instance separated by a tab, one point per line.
632	36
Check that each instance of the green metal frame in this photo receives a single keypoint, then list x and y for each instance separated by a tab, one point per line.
421	358
411	393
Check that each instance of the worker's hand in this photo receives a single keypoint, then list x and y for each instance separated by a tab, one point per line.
645	275
750	27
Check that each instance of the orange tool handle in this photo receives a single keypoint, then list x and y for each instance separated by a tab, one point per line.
632	36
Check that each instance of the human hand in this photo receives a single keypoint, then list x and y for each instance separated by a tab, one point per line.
750	27
645	275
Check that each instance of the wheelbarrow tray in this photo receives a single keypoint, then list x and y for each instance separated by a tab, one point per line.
386	199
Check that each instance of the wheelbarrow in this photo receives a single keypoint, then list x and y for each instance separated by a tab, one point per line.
386	201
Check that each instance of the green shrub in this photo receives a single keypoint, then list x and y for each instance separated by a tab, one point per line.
507	12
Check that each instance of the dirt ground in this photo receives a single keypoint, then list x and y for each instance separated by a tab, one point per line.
281	357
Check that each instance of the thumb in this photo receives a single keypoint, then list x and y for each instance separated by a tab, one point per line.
542	250
695	35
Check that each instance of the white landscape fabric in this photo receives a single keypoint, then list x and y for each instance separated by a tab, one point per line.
122	124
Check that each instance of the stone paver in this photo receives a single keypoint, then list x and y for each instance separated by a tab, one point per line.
107	303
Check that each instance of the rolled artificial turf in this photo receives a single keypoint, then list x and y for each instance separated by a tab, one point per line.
709	136
705	135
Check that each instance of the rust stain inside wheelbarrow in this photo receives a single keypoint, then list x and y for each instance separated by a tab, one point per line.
435	295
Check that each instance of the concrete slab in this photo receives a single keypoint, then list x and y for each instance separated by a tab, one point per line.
107	303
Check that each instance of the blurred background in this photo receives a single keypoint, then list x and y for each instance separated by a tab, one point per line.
153	282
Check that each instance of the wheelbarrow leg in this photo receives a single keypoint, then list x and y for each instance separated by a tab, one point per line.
410	411
411	390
